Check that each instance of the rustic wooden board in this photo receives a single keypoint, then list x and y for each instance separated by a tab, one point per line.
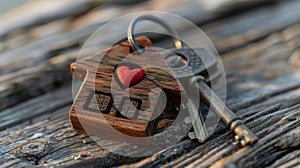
278	110
263	87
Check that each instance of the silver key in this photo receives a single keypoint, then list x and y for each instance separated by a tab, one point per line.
186	63
185	67
243	135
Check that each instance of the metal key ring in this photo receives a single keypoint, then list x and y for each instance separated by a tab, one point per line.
170	29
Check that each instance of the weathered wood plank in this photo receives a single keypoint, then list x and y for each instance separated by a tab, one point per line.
289	160
272	116
39	12
267	97
283	112
60	144
35	107
34	81
73	36
220	150
36	52
237	31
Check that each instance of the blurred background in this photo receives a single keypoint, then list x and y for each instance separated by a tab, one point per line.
7	5
258	41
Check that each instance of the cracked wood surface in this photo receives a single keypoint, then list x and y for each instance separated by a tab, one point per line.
261	59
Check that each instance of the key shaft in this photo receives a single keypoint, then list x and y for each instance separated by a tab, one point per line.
242	134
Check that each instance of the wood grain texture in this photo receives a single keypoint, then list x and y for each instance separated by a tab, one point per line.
261	62
266	99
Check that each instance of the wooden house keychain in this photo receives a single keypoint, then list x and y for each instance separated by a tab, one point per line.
121	72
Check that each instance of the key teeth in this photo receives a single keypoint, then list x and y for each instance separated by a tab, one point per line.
243	134
243	140
238	138
244	143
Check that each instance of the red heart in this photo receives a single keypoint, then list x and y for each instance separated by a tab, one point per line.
129	77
